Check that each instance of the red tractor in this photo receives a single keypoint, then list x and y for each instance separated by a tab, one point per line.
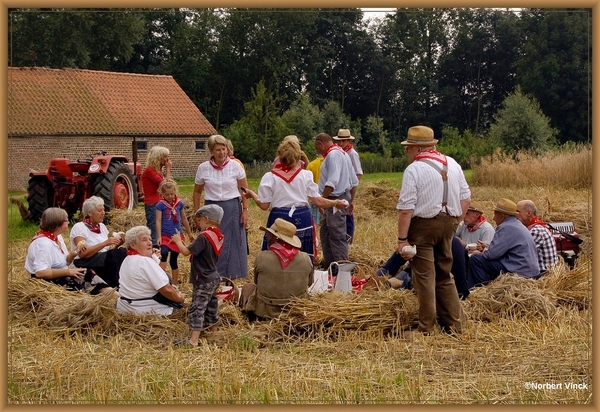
68	184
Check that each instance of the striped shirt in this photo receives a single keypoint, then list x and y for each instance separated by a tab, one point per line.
422	189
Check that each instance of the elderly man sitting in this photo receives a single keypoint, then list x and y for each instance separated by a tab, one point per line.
512	249
544	242
281	273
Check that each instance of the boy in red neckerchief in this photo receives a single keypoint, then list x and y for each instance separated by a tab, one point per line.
205	250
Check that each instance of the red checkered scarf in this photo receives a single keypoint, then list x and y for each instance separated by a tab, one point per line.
216	166
348	147
93	228
172	209
477	224
330	148
286	172
49	235
537	221
432	154
215	237
284	252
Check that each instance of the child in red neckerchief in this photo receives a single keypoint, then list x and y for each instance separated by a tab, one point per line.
205	250
170	217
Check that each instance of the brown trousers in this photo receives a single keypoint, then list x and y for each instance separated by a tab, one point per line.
431	277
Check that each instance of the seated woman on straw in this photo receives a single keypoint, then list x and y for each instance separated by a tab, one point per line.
48	257
143	285
97	251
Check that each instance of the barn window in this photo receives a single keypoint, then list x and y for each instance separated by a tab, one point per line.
200	145
142	146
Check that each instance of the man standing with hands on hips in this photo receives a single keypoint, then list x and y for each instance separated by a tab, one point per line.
433	199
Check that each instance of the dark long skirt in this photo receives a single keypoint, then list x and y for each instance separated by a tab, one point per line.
305	229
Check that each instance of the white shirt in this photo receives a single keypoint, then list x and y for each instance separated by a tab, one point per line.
423	189
220	184
44	254
355	158
485	233
141	277
276	191
91	238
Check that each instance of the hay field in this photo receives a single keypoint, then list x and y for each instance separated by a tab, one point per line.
527	342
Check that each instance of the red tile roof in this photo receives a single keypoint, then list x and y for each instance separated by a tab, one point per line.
45	101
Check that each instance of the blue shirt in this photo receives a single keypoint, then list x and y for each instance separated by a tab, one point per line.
514	247
337	172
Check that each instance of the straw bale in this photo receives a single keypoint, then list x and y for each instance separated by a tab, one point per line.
327	314
121	220
511	296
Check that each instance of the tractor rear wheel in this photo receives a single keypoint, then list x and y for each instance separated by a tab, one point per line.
117	187
40	196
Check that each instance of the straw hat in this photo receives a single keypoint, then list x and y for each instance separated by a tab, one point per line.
506	206
284	230
343	134
291	138
420	136
475	207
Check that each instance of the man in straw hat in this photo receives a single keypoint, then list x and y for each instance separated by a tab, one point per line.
475	227
281	273
433	197
344	140
512	249
337	180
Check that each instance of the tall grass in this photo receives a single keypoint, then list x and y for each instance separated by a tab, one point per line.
567	167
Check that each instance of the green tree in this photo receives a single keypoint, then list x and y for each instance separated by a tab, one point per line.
305	120
555	67
261	126
375	129
87	39
521	125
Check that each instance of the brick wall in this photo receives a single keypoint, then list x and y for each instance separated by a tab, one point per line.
34	153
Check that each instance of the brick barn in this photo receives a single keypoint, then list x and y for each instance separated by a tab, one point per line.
76	113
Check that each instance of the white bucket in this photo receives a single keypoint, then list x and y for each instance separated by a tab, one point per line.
320	284
343	282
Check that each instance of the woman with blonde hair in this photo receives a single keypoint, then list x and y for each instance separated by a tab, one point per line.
286	191
222	180
152	176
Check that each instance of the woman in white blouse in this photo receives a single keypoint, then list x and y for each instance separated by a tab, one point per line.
221	181
286	191
96	252
48	257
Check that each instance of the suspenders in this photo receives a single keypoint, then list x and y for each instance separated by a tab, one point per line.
444	172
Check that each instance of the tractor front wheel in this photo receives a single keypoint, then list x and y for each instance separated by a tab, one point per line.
117	187
40	196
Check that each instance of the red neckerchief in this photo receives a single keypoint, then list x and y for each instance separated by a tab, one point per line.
285	172
330	148
348	147
216	166
215	237
284	252
132	252
49	235
172	208
432	154
477	224
88	223
537	221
